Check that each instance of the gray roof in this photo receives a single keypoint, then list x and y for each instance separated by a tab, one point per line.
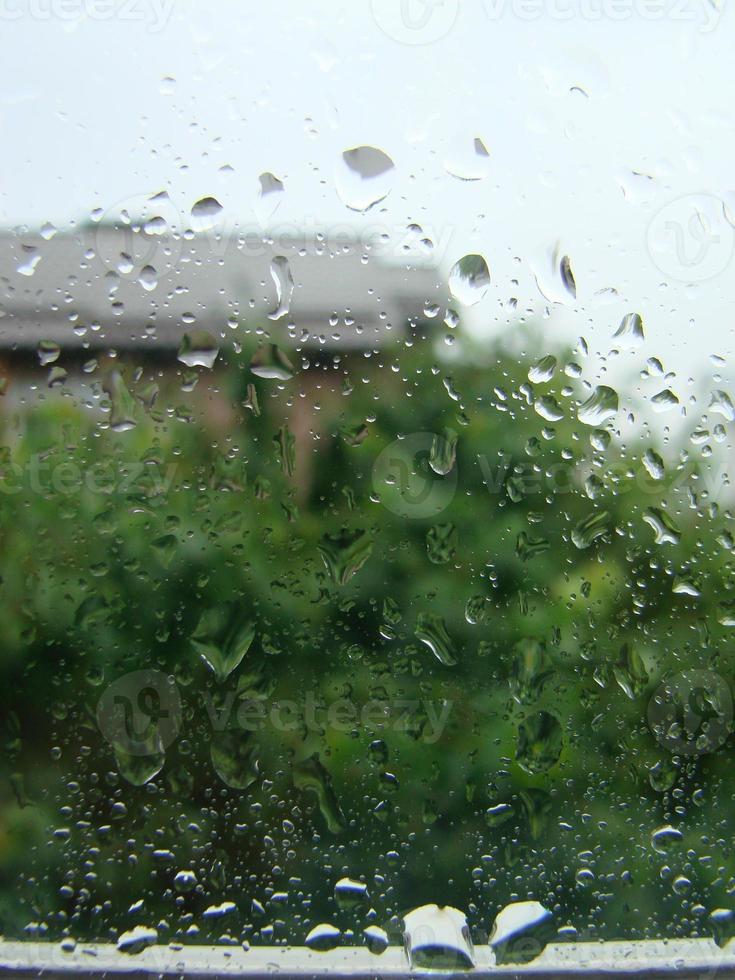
135	287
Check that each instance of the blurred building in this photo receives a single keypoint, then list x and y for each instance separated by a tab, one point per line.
141	287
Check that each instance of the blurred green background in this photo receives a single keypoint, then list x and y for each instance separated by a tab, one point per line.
559	575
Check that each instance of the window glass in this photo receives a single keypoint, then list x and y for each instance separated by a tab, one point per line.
366	442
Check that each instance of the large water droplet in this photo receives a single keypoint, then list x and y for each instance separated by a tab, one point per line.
539	742
323	937
349	894
122	404
543	370
311	776
205	213
631	329
234	757
530	669
364	177
437	937
589	529
222	638
281	275
432	631
469	163
520	932
469	279
345	553
198	349
443	453
137	939
271	363
601	405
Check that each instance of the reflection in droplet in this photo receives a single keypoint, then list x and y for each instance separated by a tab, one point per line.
469	279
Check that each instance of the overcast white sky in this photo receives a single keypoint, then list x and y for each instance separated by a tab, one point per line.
570	97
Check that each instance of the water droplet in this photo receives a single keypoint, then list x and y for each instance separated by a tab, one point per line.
234	756
539	742
567	276
589	529
441	543
548	408
281	275
630	672
437	937
185	881
32	258
205	213
469	279
469	164
631	329
148	278
350	894
723	925
271	363
601	405
140	769
443	453
431	630
136	940
664	400
721	404
376	939
543	370
364	177
529	670
311	776
122	408
665	839
654	464
48	352
323	937
345	553
520	932
663	526
269	196
222	638
198	349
